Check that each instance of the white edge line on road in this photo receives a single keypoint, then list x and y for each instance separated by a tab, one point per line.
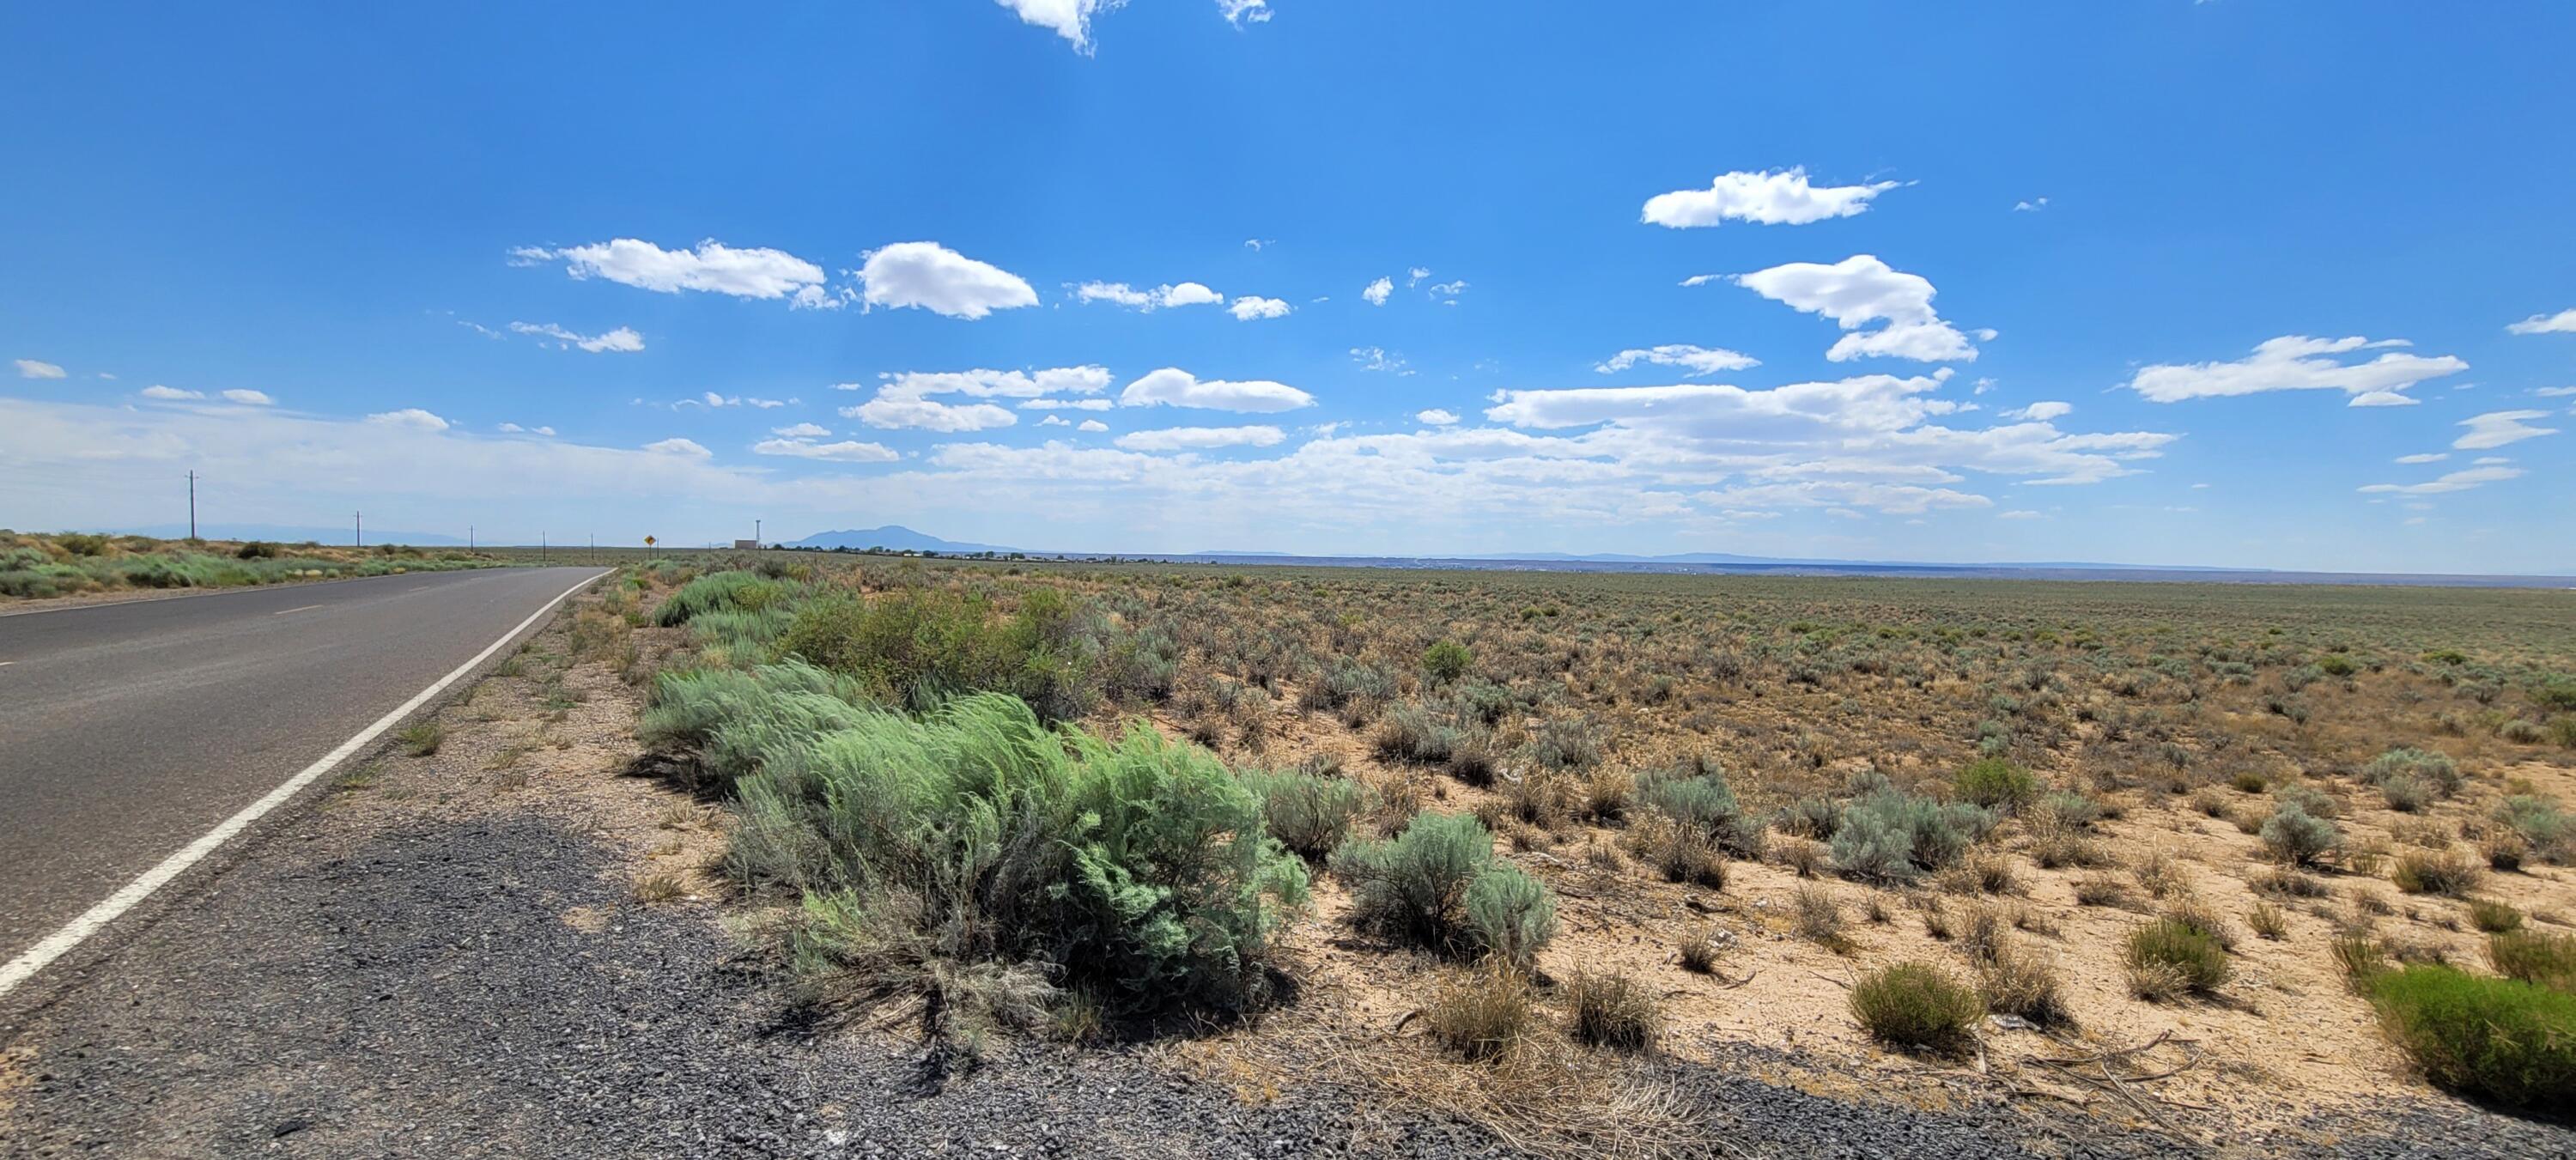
72	934
306	608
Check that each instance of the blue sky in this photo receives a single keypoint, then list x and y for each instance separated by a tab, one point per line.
2142	283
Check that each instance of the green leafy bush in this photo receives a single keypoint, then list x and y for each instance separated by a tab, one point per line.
2500	1040
920	646
1438	885
1446	661
2174	954
1916	1005
1997	784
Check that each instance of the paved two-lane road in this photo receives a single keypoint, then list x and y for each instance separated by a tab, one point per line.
129	730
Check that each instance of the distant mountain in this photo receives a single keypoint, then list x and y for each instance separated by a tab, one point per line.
893	538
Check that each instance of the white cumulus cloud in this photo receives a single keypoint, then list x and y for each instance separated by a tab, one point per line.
801	431
2298	363
1250	307
2041	412
412	417
935	278
1198	438
1173	386
1437	417
248	398
169	394
1860	290
1701	360
1070	19
1092	425
1783	197
1184	294
684	448
29	368
1377	292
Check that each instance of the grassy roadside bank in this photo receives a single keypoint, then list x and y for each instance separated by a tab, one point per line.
42	566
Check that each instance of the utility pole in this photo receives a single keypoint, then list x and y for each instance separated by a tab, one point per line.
469	537
358	521
755	530
192	503
543	549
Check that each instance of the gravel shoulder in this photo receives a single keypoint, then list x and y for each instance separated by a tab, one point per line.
454	955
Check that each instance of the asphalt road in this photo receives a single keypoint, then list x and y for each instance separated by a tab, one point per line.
128	730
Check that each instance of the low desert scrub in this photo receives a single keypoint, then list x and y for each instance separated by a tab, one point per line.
1695	795
2493	917
2268	921
1800	856
1893	836
1680	854
1438	885
2172	956
1480	1014
656	888
974	846
2535	957
2437	774
1916	1006
1310	815
2294	838
1819	917
1610	1009
2500	1040
1996	784
2102	890
2445	872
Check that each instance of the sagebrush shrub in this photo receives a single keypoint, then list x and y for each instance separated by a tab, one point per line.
1695	796
1136	869
1894	836
2446	872
917	647
2438	772
718	590
1438	885
1310	815
1915	1005
2501	1040
2293	837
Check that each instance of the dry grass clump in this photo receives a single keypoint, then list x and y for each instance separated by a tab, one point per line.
2269	921
1610	1009
2535	957
1700	950
1820	918
2444	872
1800	856
1480	1014
1917	1007
2493	917
2102	890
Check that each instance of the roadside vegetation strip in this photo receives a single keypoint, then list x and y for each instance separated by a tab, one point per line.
41	566
96	918
1501	773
